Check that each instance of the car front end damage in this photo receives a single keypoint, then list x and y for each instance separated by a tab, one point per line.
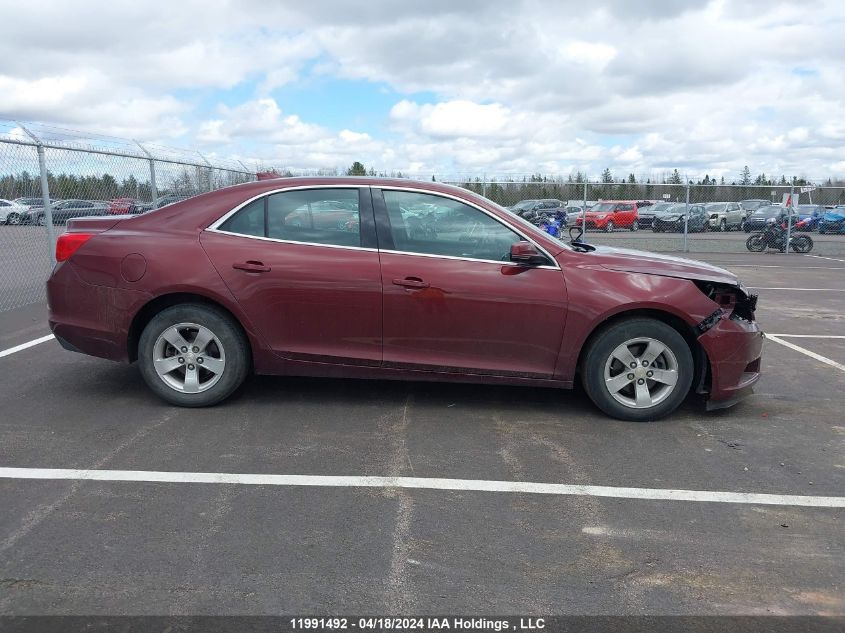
733	343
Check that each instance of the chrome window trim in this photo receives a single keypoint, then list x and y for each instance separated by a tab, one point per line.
499	262
484	211
214	226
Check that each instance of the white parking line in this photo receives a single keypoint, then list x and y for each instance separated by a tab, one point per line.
27	345
730	265
813	289
833	259
424	483
806	352
807	335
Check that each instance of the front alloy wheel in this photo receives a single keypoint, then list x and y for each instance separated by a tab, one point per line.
609	226
638	369
13	218
641	372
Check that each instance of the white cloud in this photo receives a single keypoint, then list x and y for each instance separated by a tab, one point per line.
702	86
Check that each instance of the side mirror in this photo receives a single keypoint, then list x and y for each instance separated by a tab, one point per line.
526	253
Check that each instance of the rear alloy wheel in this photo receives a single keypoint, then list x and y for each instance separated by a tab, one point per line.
638	370
42	221
609	227
193	355
13	218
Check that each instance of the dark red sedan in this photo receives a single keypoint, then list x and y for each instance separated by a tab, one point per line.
358	277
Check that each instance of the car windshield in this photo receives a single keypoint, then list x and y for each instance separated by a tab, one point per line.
603	207
672	209
660	207
715	206
751	205
525	204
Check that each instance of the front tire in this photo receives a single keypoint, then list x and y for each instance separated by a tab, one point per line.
609	227
193	355
723	226
13	219
638	370
756	243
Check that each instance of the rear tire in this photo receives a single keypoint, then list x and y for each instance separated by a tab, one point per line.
802	244
657	349
217	367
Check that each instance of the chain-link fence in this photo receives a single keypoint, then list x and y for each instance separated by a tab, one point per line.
693	218
49	175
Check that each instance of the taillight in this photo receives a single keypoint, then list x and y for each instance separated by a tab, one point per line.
68	243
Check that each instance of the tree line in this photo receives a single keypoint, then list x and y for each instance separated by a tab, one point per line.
184	181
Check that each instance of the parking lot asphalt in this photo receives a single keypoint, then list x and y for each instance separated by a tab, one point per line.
117	547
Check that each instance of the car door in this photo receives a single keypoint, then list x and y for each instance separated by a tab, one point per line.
454	302
304	266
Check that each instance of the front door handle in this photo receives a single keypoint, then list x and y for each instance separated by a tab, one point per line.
252	266
411	282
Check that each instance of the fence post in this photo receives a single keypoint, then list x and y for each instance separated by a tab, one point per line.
584	214
153	188
686	220
210	170
45	194
484	185
789	215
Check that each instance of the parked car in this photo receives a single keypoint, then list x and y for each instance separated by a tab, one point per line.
64	210
203	292
809	216
725	216
609	215
161	201
32	202
120	206
758	219
11	212
674	219
833	221
751	205
534	210
645	215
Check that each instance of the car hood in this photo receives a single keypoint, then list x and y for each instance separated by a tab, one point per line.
633	261
668	216
834	217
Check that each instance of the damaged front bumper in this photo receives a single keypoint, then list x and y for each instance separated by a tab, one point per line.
733	342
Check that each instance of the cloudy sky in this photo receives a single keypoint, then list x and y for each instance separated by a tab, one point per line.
445	86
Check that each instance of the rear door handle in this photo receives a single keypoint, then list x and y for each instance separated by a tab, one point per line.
252	266
411	282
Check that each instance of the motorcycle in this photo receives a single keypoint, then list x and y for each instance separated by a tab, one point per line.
553	224
774	236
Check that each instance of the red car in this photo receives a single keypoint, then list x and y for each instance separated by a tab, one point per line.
204	291
119	206
609	215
